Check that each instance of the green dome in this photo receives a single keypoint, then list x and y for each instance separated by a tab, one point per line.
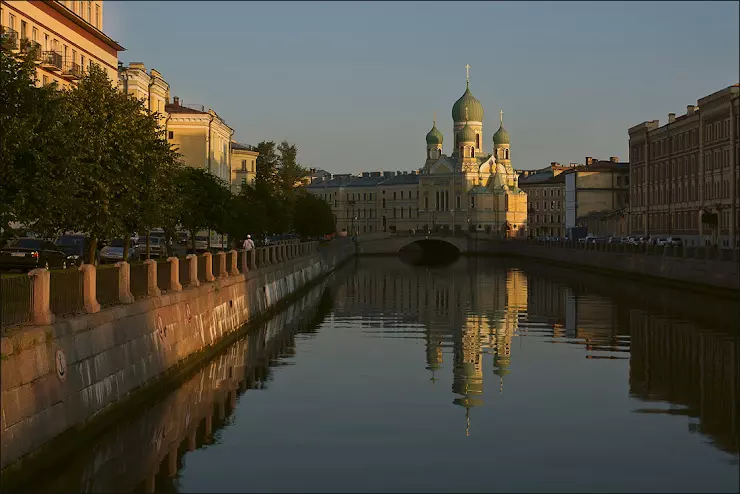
434	136
475	109
466	135
501	136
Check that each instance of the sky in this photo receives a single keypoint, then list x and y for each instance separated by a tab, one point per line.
355	85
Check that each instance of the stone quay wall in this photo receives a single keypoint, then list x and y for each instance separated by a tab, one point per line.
59	376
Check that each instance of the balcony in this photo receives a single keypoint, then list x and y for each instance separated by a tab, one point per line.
72	70
31	47
51	60
9	38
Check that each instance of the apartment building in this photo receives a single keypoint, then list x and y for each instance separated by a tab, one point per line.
685	174
545	189
244	166
597	196
149	87
201	137
68	36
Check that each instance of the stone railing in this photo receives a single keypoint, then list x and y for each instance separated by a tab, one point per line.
87	289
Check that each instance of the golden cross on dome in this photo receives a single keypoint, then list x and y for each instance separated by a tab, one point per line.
467	73
502	117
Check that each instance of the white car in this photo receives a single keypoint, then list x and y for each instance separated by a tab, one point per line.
114	252
201	242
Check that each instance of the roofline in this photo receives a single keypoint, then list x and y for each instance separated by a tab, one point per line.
85	25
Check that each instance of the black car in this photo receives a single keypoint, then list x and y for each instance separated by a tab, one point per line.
29	253
75	246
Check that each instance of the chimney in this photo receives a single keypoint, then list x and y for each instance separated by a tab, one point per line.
554	163
690	109
137	65
614	159
671	117
176	101
589	160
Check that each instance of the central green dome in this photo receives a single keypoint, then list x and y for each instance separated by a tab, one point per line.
467	134
475	109
434	136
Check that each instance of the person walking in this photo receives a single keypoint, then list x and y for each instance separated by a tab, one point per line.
248	243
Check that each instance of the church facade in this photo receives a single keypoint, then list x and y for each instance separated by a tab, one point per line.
468	189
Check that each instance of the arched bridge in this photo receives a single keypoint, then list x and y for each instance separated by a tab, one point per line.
387	243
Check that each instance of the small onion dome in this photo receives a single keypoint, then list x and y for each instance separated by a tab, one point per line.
501	136
467	135
434	136
475	109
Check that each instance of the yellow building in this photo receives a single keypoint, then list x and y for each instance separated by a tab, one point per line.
468	190
151	88
201	137
243	166
68	36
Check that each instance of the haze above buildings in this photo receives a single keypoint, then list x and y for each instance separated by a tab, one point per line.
355	85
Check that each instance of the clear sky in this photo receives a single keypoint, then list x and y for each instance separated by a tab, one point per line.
355	84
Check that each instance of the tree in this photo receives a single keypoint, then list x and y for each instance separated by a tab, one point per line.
289	171
37	179
312	216
205	199
267	165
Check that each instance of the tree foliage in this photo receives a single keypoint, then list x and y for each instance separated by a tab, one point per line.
93	159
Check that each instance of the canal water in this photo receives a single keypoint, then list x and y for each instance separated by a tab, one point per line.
483	375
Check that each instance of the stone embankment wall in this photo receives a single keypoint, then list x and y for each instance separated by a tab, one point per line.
58	377
693	271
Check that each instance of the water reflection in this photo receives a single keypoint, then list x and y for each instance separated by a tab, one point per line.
477	307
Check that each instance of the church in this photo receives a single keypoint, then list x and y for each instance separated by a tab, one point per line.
467	190
471	189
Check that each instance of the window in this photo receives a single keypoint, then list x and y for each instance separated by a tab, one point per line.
45	80
477	141
472	202
170	134
394	196
24	28
34	34
74	55
401	194
82	61
97	16
11	21
46	42
89	11
458	203
244	165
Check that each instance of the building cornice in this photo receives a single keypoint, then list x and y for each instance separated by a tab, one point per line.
100	35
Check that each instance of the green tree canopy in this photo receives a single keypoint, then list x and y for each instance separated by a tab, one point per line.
312	216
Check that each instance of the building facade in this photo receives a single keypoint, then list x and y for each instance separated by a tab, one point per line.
151	88
467	190
685	174
67	35
597	196
201	137
545	189
243	166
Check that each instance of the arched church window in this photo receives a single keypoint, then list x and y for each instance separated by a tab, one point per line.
506	152
472	152
477	141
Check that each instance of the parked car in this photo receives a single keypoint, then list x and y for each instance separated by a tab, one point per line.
661	241
674	241
28	253
183	237
75	246
201	243
113	252
615	240
156	247
590	239
135	238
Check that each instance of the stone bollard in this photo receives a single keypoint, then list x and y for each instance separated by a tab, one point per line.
272	254
124	282
89	288
175	285
152	288
252	259
41	288
245	260
233	267
209	266
221	264
193	268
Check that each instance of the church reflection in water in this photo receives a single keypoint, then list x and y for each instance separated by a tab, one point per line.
475	307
